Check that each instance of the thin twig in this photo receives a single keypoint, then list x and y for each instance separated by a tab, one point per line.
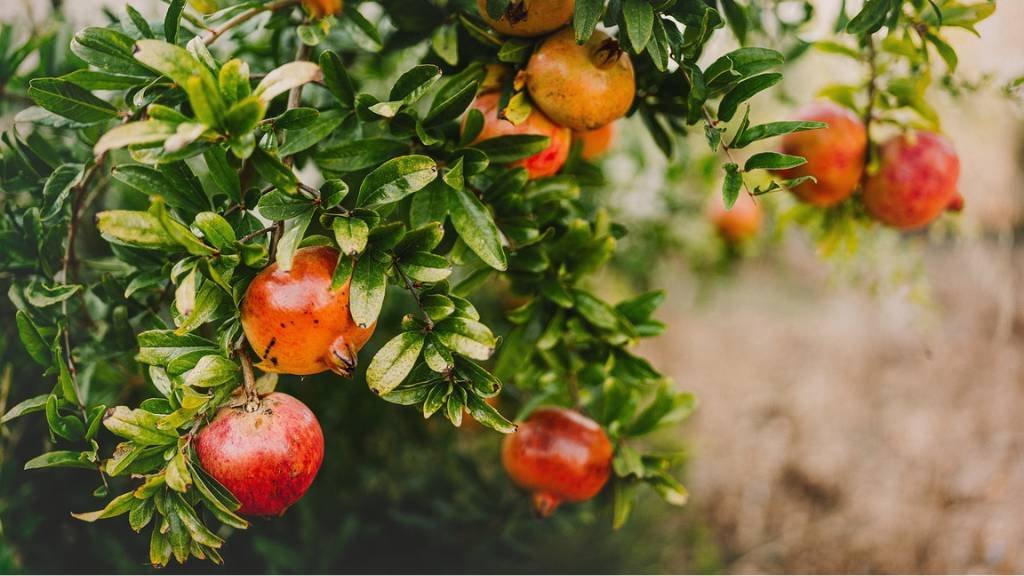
252	398
259	232
415	295
246	16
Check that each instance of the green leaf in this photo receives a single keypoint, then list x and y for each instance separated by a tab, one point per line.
870	18
731	185
945	51
63	459
34	404
243	116
69	100
445	43
625	497
297	140
274	171
670	490
138	426
772	161
351	234
513	147
359	154
116	507
467	337
638	18
276	205
134	133
449	106
393	362
414	83
586	15
744	91
134	228
159	548
108	50
736	18
153	182
285	77
658	48
425	267
369	284
172	19
177	475
476	227
771	129
216	230
396	179
336	79
596	311
32	340
167	59
740	64
360	30
485	414
210	371
294	230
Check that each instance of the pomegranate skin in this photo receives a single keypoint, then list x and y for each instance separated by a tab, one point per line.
558	455
547	162
537	17
835	155
582	87
267	458
296	324
738	225
916	181
594	143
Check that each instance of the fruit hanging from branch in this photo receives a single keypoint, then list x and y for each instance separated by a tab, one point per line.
584	86
835	155
548	161
738	224
266	454
529	18
298	322
916	181
558	455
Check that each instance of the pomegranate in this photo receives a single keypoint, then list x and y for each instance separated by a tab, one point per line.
267	458
544	163
528	18
558	455
582	87
916	181
296	323
835	155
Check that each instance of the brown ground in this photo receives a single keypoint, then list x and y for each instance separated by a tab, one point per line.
840	432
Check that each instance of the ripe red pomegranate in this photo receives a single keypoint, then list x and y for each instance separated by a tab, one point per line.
916	181
738	225
267	458
558	455
544	163
296	323
835	155
528	18
582	87
594	143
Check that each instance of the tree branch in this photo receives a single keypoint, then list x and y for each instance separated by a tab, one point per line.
246	16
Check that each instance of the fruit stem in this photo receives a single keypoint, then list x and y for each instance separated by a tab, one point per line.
252	399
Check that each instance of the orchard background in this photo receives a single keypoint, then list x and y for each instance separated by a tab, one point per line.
857	412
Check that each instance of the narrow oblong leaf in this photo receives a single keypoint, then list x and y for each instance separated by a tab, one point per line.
396	179
393	362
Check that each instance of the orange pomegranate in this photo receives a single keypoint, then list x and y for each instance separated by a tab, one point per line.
739	224
582	87
528	18
296	323
544	163
835	155
594	143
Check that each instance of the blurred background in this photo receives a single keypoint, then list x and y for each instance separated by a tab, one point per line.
859	412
